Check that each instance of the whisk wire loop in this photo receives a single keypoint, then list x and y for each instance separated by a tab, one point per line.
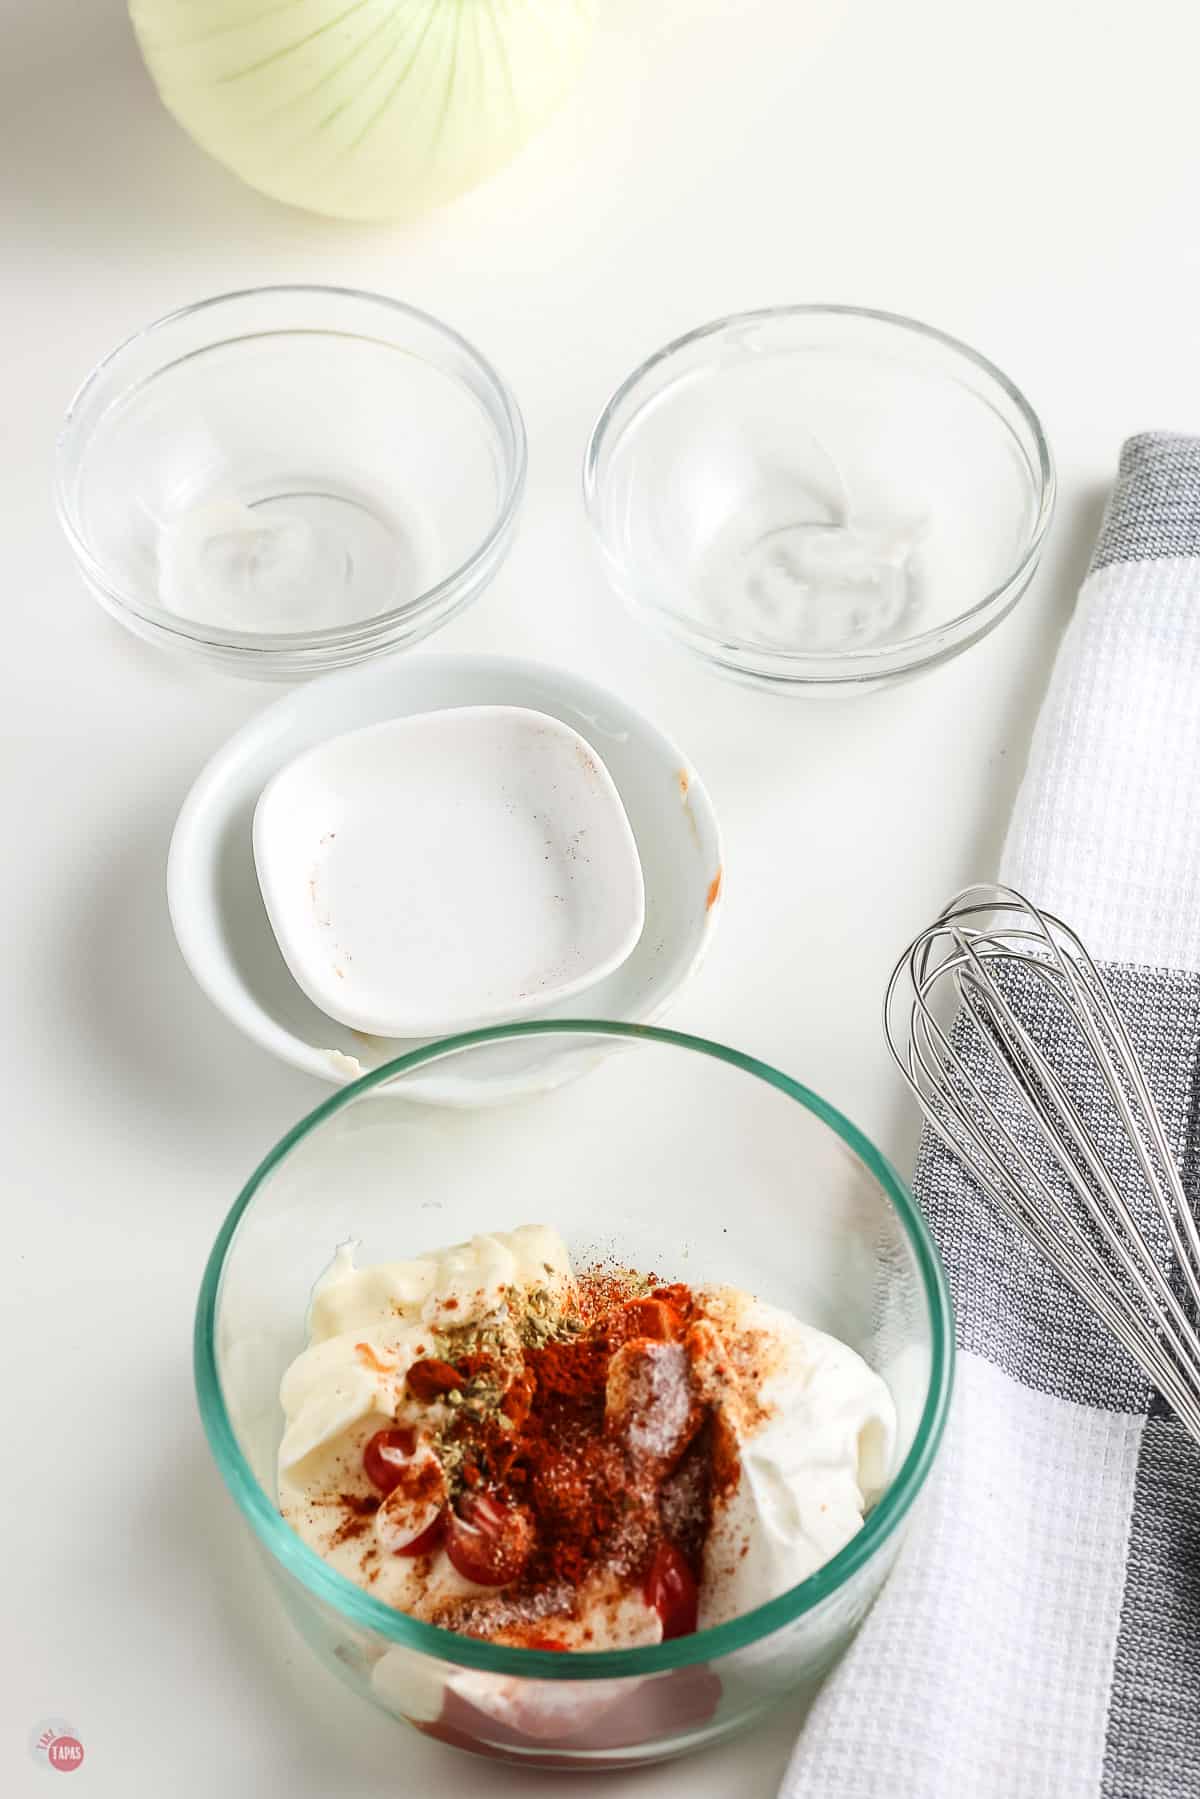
1072	1133
1011	1180
1089	1199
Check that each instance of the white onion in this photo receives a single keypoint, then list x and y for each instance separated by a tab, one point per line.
365	109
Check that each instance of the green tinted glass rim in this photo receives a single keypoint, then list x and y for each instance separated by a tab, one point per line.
361	1611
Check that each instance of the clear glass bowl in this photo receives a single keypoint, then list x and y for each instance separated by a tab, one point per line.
677	1156
290	479
817	499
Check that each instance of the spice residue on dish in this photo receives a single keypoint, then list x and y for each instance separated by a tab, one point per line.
504	1447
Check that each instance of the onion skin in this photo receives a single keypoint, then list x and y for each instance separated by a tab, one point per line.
363	109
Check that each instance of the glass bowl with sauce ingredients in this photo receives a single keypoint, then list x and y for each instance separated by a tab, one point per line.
687	1162
819	500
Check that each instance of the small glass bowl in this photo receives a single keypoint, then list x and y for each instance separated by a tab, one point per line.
678	1157
817	499
290	479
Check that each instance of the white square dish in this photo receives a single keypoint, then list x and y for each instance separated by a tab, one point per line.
448	869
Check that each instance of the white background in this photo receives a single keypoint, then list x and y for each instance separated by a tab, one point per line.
1024	175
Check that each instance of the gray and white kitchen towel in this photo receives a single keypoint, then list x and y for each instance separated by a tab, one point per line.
1040	1636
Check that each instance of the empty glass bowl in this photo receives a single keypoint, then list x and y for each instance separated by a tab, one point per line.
679	1157
819	498
290	479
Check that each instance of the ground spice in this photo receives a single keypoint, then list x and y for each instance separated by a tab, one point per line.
685	1501
678	1297
570	1471
600	1290
360	1510
581	1412
572	1371
430	1379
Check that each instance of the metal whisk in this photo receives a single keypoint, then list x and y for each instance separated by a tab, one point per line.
1008	1106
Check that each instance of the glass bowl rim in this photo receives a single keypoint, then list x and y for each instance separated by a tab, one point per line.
360	631
361	1610
816	665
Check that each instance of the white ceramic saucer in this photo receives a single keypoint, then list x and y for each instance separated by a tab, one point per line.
226	939
448	870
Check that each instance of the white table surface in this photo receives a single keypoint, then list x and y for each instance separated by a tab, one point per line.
1024	176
